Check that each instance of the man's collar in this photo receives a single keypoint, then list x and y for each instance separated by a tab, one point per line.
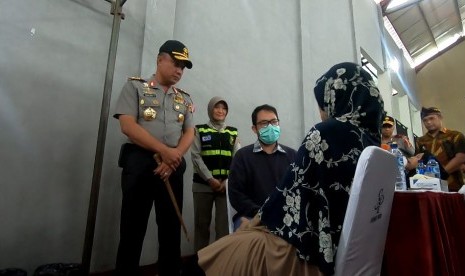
442	130
152	82
257	147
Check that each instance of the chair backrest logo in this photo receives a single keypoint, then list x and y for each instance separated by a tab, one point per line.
377	207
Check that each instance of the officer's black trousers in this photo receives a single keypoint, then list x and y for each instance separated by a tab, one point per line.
141	189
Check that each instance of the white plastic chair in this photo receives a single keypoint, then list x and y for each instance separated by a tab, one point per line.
231	211
361	246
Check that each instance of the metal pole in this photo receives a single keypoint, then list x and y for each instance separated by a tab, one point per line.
116	10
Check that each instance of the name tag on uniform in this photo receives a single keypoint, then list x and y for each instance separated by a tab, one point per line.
206	138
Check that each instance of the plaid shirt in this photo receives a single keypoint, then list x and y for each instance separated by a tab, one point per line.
445	145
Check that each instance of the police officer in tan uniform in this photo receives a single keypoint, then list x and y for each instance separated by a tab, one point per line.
388	138
157	119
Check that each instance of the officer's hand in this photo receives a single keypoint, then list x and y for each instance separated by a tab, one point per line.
412	162
406	141
163	170
172	157
419	156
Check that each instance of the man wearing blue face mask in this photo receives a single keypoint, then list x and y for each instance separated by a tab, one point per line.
257	168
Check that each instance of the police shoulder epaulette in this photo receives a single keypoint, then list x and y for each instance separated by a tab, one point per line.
137	79
182	91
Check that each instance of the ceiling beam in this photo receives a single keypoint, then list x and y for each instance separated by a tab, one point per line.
423	64
433	39
457	12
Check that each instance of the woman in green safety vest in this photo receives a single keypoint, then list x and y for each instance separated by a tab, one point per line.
214	146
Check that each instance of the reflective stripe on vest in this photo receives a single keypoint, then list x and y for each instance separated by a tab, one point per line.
210	130
220	172
216	152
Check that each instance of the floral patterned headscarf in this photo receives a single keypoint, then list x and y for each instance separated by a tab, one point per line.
348	93
308	206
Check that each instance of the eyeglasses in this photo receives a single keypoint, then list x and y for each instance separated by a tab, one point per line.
265	123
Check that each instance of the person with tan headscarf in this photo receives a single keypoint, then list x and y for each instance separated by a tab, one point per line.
214	146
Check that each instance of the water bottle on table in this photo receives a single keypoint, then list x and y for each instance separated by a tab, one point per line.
401	185
421	168
432	168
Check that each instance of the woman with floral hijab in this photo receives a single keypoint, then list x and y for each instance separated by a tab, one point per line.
297	230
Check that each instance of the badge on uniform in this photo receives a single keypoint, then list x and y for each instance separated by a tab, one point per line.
150	114
149	93
178	98
206	138
191	108
146	88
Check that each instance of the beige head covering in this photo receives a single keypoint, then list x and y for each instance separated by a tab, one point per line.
211	105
